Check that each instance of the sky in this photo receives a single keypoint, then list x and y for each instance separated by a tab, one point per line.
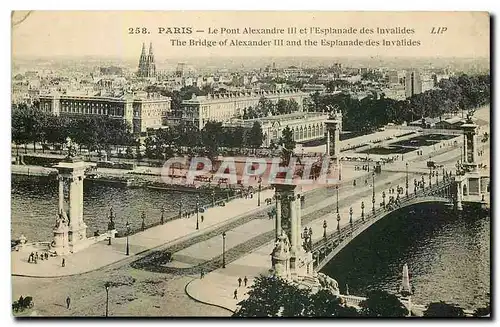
106	33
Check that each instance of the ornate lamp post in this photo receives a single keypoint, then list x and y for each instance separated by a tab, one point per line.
407	179
260	189
430	176
373	192
383	199
197	212
111	224
224	250
337	188
325	225
310	238
143	224
415	184
350	216
106	286
127	225
338	223
363	211
162	215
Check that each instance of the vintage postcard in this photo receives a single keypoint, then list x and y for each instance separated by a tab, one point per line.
250	164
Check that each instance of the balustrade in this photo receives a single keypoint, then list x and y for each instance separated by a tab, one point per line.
333	239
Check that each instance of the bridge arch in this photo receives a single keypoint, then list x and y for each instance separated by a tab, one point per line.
324	246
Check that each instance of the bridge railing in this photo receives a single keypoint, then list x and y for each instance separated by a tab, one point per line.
336	237
351	300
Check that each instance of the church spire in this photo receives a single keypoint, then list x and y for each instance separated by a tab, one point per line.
147	66
142	59
151	57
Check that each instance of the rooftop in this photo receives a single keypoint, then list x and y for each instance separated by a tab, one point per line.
292	116
242	94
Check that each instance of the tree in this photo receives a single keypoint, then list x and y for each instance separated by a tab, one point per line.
324	304
234	137
20	133
271	296
211	136
56	130
370	113
443	309
282	106
264	107
288	145
382	304
255	136
264	298
149	143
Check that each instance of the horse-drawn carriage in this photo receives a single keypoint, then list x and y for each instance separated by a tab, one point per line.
23	304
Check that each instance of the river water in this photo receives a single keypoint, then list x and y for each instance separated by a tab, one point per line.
34	203
448	254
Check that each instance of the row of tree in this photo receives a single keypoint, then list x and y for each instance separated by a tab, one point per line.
31	126
102	133
456	93
274	297
164	143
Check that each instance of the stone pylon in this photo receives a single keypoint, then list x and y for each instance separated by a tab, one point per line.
71	173
288	230
470	182
333	128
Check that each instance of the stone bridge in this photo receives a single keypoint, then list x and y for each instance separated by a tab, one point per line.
326	248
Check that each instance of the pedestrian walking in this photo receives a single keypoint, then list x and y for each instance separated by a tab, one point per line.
235	294
202	274
63	262
202	218
68	302
239	282
245	280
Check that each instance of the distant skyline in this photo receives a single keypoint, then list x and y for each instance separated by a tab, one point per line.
246	63
105	34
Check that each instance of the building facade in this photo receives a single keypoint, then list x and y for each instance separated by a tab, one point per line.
141	112
223	107
147	66
306	126
393	77
413	83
